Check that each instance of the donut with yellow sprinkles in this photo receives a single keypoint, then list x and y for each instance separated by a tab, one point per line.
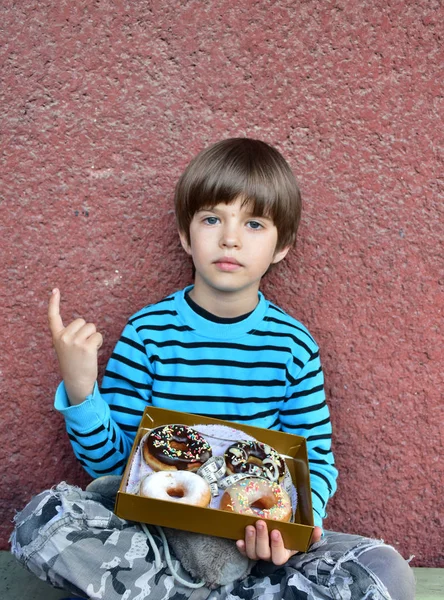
258	497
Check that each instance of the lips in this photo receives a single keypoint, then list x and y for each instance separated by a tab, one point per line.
227	263
228	259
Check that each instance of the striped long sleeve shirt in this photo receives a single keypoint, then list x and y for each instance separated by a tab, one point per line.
263	370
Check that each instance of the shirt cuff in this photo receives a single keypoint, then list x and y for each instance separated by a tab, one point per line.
87	415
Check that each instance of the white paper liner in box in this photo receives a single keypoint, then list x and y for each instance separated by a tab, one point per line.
220	437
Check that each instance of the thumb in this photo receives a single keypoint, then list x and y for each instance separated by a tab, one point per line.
54	318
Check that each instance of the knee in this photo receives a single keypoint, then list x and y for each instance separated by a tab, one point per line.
35	516
392	570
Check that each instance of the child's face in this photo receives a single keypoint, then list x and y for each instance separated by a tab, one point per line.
231	248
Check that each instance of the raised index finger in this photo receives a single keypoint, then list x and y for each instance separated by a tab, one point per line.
55	320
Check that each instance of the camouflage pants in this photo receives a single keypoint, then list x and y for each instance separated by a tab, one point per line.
71	539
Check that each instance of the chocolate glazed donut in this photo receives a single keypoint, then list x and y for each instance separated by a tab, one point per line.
255	459
176	448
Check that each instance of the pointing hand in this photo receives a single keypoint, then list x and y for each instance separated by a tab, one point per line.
77	347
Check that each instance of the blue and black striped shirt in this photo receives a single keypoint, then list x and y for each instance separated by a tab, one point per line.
263	370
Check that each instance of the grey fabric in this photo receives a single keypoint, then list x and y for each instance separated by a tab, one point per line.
392	569
71	539
106	486
214	560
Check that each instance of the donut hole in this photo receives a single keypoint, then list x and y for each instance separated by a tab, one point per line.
263	503
176	492
179	446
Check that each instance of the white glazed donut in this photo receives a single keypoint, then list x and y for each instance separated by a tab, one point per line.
176	486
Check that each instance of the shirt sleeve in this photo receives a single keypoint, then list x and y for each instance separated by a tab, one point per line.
306	413
103	427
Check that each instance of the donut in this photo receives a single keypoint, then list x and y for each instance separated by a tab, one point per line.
175	448
255	459
257	497
176	486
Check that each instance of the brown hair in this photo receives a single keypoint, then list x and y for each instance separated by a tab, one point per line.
241	167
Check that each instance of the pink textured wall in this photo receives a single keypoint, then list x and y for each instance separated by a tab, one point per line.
102	105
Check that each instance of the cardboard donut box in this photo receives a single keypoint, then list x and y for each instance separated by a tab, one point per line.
212	521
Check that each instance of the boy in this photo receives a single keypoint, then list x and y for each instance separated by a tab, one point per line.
219	348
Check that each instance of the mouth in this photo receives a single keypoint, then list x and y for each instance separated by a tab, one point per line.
227	263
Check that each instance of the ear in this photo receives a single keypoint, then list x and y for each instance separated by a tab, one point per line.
280	255
184	241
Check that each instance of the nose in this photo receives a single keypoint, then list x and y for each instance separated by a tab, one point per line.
230	236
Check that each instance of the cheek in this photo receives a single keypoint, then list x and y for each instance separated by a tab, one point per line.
199	251
201	243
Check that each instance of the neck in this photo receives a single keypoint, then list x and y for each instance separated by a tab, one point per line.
225	304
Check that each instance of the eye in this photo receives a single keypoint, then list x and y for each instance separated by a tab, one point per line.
210	220
254	225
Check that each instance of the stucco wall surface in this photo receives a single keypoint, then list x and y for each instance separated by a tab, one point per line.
104	103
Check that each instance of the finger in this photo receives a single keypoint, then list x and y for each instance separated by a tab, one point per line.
250	542
96	340
80	330
263	550
240	545
74	328
279	553
54	318
316	535
80	333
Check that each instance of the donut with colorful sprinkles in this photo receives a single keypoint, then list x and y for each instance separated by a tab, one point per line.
258	497
175	448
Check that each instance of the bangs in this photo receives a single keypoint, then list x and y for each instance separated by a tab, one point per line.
226	187
241	168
